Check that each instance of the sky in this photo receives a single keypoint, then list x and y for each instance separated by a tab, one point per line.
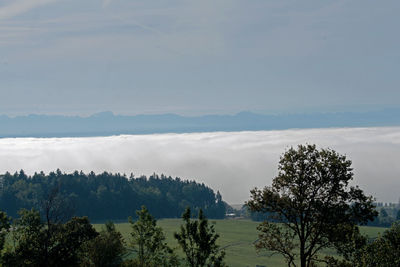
198	57
233	163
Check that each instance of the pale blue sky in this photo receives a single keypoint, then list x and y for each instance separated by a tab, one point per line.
197	57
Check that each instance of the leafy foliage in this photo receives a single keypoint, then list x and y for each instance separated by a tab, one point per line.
198	240
385	250
312	199
106	250
36	244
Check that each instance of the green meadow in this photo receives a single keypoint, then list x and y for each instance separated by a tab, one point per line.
236	237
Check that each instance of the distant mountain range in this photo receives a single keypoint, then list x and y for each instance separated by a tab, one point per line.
106	123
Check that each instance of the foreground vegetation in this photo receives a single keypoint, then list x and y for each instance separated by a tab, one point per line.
237	238
32	241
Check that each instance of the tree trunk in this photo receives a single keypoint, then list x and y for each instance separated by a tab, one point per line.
303	261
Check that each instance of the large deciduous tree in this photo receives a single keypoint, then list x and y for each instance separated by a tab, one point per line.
314	203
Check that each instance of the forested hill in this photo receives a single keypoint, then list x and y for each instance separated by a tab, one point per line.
106	196
106	123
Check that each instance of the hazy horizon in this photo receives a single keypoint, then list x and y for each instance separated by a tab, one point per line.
231	162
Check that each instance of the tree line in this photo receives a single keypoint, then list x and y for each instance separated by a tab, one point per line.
385	218
108	196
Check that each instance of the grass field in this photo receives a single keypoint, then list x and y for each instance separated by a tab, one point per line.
236	236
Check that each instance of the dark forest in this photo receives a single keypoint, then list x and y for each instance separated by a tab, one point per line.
107	196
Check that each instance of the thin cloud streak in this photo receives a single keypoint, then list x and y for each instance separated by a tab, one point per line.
20	7
232	162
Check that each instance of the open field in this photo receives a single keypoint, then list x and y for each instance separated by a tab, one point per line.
236	236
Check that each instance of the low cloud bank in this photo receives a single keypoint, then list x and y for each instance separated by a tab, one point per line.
231	162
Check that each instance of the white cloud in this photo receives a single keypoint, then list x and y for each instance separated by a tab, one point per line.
233	162
19	7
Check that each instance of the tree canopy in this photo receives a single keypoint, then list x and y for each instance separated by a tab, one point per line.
314	203
383	251
39	244
105	250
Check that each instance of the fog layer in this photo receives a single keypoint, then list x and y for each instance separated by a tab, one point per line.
231	162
